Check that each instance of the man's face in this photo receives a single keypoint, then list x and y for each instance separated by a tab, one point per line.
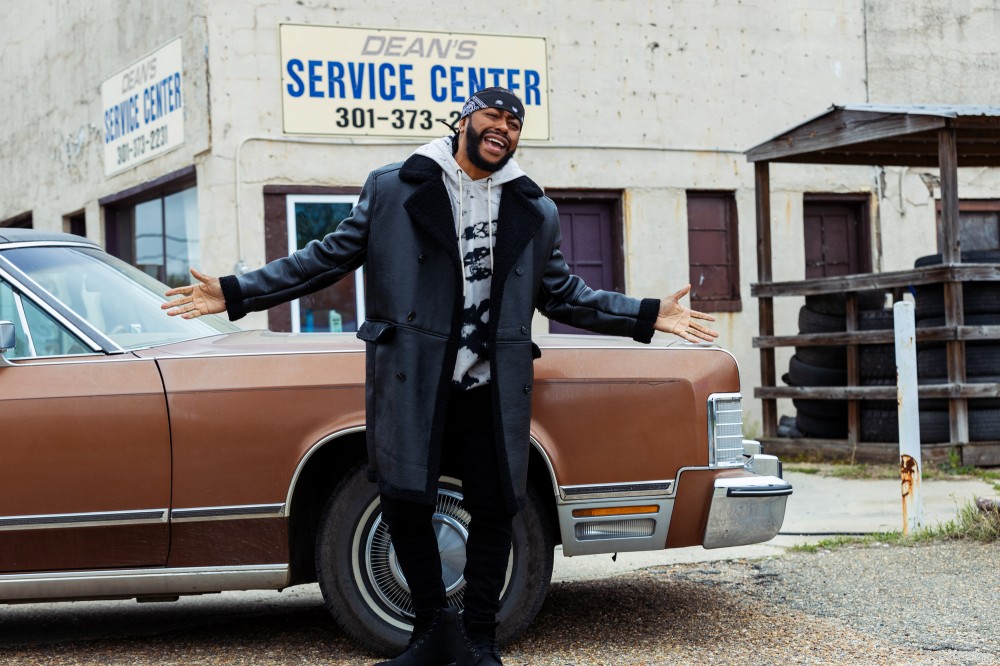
491	137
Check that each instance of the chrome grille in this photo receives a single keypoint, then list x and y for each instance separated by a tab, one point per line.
725	430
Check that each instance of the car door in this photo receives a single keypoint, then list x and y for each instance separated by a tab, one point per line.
84	448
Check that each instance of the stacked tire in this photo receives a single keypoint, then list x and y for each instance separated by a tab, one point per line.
827	365
981	307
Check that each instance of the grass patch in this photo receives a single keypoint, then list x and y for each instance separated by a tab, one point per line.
949	469
971	523
802	470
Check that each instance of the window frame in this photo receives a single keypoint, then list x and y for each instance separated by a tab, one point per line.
121	205
292	246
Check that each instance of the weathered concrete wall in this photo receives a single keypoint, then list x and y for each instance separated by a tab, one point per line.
929	52
653	98
54	56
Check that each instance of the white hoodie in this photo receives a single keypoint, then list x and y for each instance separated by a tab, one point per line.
475	205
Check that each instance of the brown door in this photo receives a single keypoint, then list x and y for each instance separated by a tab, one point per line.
591	246
836	236
85	445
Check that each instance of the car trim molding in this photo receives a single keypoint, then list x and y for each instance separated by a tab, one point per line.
94	519
127	583
610	490
49	243
309	454
227	512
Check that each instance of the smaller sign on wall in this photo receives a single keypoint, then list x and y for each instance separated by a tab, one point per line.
366	81
143	109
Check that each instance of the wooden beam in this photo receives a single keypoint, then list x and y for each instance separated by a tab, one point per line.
954	391
951	252
930	334
765	305
873	281
841	128
948	165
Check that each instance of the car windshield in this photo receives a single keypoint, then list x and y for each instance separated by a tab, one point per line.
116	298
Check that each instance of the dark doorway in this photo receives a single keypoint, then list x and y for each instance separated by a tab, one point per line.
590	224
836	235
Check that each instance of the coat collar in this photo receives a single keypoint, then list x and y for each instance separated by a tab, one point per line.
429	206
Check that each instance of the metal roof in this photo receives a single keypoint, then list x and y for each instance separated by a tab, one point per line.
887	134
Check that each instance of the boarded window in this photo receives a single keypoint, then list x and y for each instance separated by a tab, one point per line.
713	251
978	224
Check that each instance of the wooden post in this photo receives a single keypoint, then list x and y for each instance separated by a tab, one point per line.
958	408
853	373
765	304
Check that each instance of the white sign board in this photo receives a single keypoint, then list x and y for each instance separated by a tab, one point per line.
143	109
360	81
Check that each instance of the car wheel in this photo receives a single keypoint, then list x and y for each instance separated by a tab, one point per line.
365	590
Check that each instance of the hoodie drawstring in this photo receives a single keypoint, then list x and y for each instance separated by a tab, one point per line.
489	217
458	232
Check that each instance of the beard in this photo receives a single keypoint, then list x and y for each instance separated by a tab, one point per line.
473	141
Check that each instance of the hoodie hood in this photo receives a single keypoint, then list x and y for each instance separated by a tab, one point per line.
439	150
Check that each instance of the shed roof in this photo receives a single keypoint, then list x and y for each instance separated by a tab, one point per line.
887	135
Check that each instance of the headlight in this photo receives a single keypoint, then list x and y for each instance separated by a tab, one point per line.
725	430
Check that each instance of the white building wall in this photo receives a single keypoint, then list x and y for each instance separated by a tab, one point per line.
649	97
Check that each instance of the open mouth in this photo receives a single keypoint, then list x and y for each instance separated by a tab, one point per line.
495	144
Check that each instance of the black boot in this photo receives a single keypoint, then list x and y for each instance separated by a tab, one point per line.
479	644
434	641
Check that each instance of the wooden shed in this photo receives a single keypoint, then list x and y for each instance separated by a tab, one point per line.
946	137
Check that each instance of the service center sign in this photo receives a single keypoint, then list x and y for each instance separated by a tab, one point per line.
143	109
358	81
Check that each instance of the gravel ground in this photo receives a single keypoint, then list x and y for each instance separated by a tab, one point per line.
932	604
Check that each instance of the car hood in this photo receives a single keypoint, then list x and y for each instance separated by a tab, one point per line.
268	342
258	342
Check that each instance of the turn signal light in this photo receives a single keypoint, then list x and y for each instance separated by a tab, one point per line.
615	511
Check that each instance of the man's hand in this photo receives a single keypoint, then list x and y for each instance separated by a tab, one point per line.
196	299
680	320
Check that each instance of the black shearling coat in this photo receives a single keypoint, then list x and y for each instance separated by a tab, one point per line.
403	228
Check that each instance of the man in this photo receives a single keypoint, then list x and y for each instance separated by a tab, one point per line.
461	247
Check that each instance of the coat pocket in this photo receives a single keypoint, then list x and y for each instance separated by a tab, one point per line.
376	331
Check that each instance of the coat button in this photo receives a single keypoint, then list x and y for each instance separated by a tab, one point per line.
519	270
422	258
527	388
411	316
524	330
400	376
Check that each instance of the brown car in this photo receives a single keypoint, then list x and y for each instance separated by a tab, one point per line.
146	456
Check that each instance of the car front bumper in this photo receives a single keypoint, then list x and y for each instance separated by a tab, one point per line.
745	510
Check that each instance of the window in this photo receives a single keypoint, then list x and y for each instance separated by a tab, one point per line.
713	251
75	224
337	308
155	227
978	224
114	298
22	221
36	333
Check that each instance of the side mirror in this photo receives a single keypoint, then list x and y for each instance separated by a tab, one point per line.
7	340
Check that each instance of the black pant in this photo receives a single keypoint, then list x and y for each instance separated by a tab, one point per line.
470	454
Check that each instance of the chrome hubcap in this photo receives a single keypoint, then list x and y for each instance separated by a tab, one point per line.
451	527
